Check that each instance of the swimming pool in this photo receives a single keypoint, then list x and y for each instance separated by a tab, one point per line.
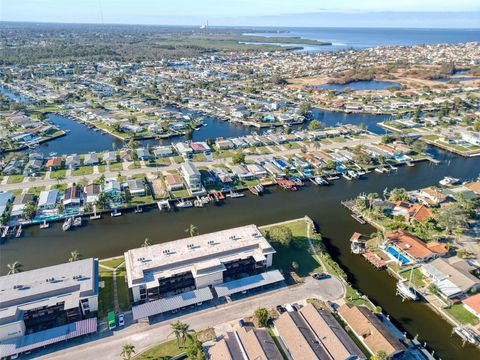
397	256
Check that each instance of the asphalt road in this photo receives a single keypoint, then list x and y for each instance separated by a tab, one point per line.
108	345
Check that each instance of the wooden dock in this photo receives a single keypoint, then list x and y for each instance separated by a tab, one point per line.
375	260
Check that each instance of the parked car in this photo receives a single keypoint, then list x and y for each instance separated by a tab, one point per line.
121	320
280	309
241	323
320	276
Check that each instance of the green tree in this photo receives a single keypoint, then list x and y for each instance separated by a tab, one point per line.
191	230
261	317
238	158
181	332
75	256
15	267
452	217
305	108
314	125
29	211
398	194
194	349
281	234
127	351
295	266
379	355
371	197
146	242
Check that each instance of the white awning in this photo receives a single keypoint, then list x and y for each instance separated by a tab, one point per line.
171	303
251	282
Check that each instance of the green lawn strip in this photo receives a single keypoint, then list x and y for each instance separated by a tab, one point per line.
134	165
15	179
141	200
243	184
101	168
277	343
164	350
113	263
180	194
139	176
178	159
417	277
199	157
116	167
16	192
59	187
55	174
463	316
122	289
36	190
105	296
84	170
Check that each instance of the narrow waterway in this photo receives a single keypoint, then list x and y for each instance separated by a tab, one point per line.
112	236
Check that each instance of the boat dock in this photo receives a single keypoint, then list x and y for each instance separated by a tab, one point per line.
375	260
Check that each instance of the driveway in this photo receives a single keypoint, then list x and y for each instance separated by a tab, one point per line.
142	335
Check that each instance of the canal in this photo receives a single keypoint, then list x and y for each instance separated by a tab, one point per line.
112	236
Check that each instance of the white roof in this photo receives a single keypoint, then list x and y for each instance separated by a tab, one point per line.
48	197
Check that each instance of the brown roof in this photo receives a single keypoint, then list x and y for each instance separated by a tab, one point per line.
415	247
370	330
173	179
56	161
298	338
421	213
473	186
473	302
256	343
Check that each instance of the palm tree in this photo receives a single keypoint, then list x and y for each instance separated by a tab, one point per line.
192	230
181	332
15	267
75	256
127	351
371	197
146	242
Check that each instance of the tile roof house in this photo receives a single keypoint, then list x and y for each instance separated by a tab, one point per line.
472	304
54	163
174	182
414	248
370	330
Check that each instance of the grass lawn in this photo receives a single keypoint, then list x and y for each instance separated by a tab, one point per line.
122	288
36	190
199	157
105	296
243	184
116	167
286	255
141	200
223	154
431	137
59	187
417	277
178	159
464	316
180	194
15	179
55	174
164	350
139	176
83	170
293	145
101	168
134	165
113	263
16	192
339	140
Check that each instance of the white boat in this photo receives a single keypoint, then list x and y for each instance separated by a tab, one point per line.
77	221
406	291
44	225
235	195
447	180
321	181
184	204
198	203
115	213
67	224
466	334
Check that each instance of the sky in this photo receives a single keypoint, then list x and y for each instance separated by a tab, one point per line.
341	13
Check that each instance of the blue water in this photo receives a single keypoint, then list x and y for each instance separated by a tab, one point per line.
453	78
361	38
330	119
359	85
403	260
14	96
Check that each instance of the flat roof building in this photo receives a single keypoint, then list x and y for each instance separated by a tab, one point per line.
231	261
47	305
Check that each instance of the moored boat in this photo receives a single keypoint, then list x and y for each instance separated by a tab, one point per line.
184	204
406	291
77	221
67	224
447	181
466	335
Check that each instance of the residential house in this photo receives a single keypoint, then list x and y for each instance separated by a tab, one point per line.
136	187
257	170
33	167
90	159
245	343
431	196
192	177
242	172
451	276
72	161
370	330
110	157
72	198
162	151
19	206
5	200
472	304
415	249
92	193
174	182
47	200
183	149
143	154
